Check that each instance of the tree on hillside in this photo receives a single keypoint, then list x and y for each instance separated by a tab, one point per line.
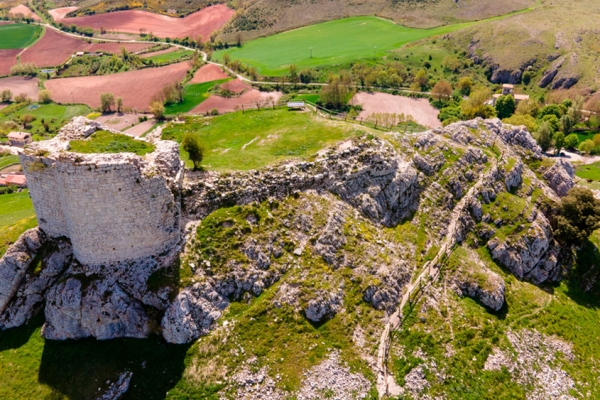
559	142
505	106
119	104
465	84
586	146
421	80
528	107
107	101
44	96
192	146
566	124
442	90
158	110
475	105
527	120
28	69
26	120
578	216
293	75
571	141
335	94
6	96
544	136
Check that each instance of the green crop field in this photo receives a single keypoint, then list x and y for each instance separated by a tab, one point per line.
18	36
590	171
334	42
162	58
194	94
244	141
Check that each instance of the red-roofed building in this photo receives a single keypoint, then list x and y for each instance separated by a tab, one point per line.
16	180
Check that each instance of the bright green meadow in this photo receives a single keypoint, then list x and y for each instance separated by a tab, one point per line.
18	36
194	94
335	42
257	138
166	57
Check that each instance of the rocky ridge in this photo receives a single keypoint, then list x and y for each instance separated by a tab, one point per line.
350	227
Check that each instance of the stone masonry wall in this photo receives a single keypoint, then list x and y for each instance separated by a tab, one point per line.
113	207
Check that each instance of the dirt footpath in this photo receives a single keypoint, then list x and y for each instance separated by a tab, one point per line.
420	109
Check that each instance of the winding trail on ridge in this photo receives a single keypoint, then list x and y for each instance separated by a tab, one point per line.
386	385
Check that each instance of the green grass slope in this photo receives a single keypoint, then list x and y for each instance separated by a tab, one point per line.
16	216
18	36
334	42
194	94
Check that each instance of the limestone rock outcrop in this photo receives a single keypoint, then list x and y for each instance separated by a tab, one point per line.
368	175
560	177
530	255
192	314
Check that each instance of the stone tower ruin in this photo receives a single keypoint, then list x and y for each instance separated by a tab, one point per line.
112	207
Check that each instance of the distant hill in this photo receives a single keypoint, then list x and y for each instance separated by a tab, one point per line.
262	17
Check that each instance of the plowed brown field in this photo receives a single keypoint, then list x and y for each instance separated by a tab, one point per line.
137	88
21	85
25	11
235	86
420	109
249	99
203	22
55	48
7	60
207	73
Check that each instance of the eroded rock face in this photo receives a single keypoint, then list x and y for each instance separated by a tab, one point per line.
15	263
530	255
368	175
192	314
325	305
30	295
488	289
560	177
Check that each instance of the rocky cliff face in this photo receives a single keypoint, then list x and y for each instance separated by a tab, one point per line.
338	238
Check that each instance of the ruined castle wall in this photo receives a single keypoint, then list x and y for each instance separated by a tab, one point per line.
113	207
42	182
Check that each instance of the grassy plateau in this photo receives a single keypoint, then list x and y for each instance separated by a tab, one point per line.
244	141
18	36
107	142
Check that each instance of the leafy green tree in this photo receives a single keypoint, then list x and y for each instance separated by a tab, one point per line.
158	110
528	107
526	78
6	96
551	109
559	142
192	146
44	96
544	136
107	101
119	104
527	120
505	106
293	75
421	80
475	105
553	121
464	86
586	146
571	141
566	124
578	216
